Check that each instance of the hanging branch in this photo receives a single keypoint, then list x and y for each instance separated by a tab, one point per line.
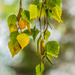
45	21
20	10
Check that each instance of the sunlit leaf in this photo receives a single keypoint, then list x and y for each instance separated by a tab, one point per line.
13	37
58	2
11	20
14	49
22	23
33	11
23	40
39	69
56	13
52	48
26	15
14	28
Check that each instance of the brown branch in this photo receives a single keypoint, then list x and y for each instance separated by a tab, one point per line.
20	10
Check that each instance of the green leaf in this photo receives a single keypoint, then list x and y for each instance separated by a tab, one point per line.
56	13
50	3
36	2
41	10
49	14
39	69
27	32
58	2
26	15
12	20
52	48
34	32
13	36
33	11
46	35
53	3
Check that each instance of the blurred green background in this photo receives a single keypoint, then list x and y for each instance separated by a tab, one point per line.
25	61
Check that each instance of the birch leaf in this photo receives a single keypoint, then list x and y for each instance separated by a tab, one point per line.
12	20
52	48
14	49
39	69
13	36
23	40
14	28
22	23
33	11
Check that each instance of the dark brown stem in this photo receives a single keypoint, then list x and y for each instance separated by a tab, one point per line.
40	27
20	3
45	21
20	10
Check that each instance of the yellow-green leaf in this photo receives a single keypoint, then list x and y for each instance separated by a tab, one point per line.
14	28
23	40
41	11
12	20
33	11
13	36
26	15
52	48
46	35
39	69
56	13
14	49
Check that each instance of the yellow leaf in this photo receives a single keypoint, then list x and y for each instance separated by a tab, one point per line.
33	11
23	40
29	27
22	23
14	28
14	49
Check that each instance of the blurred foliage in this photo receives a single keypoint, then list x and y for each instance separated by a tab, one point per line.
67	40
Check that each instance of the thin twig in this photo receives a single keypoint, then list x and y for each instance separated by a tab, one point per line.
49	60
20	10
41	61
20	3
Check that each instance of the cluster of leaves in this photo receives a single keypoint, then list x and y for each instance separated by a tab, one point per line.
20	30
